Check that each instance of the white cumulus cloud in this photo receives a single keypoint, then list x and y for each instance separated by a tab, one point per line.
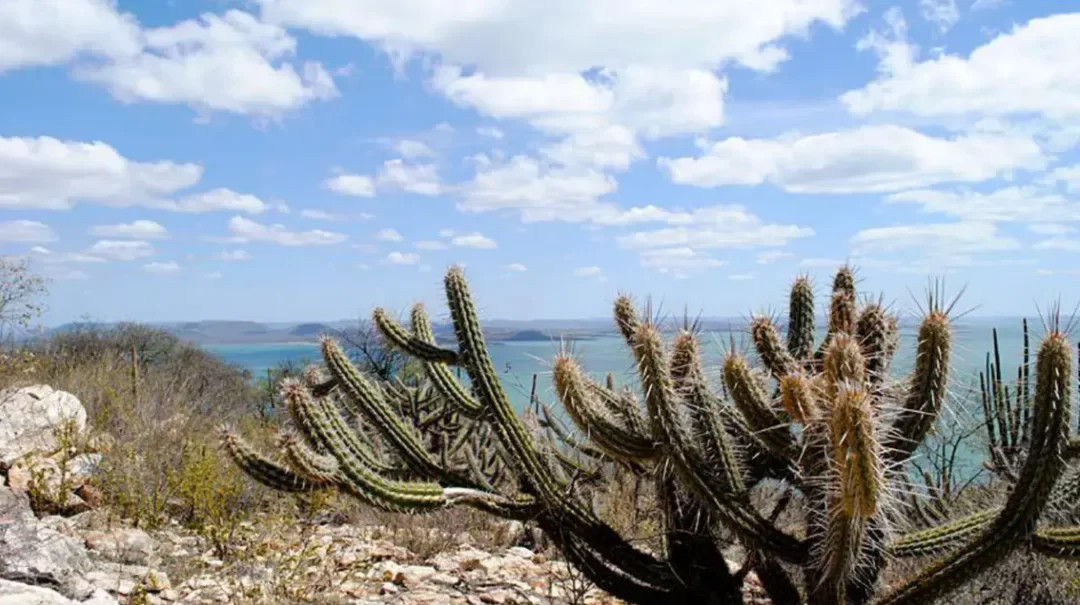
162	268
1028	69
430	244
402	258
50	32
247	230
715	227
389	235
943	14
51	174
473	240
421	179
411	149
592	271
121	250
941	238
681	259
571	36
26	232
866	159
138	229
351	184
231	62
235	255
1011	204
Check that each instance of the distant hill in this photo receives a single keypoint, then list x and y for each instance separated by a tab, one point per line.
226	332
252	332
527	336
310	330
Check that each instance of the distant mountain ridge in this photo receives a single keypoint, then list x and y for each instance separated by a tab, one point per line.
225	332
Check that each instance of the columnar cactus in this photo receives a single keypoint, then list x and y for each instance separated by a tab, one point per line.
827	420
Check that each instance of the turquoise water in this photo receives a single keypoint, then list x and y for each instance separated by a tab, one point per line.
257	358
517	362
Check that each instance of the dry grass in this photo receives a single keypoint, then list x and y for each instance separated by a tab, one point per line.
157	428
154	420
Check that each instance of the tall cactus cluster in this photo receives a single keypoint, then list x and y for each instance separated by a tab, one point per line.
825	420
1007	407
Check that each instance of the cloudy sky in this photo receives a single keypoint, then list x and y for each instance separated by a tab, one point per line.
308	159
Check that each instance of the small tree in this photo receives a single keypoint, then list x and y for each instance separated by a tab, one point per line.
21	292
366	349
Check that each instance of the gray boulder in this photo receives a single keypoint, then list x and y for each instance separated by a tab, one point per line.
32	553
15	593
30	418
123	545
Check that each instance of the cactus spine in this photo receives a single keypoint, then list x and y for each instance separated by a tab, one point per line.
826	419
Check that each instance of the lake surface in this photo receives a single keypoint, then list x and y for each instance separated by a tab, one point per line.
516	362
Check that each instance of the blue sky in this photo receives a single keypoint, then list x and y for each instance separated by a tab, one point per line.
310	159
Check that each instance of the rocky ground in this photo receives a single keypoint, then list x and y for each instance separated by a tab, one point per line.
91	559
82	554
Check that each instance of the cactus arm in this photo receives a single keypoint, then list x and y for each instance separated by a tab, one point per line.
800	331
387	494
623	405
1058	542
483	476
844	364
851	555
559	432
662	588
774	355
776	582
874	334
857	479
705	421
349	437
355	477
715	443
997	462
814	467
576	469
691	551
1025	389
758	460
842	308
660	398
927	387
262	469
1016	422
943	537
572	387
440	375
626	318
477	362
399	337
318	468
1042	468
521	451
364	398
750	399
461	441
